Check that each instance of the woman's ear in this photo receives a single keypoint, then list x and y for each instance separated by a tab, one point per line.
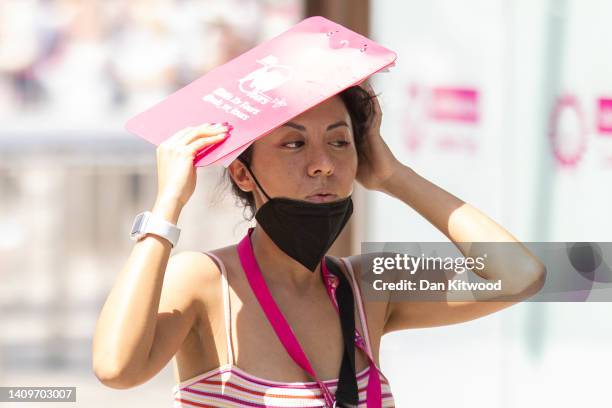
240	175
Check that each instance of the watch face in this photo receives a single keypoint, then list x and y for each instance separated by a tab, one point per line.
137	224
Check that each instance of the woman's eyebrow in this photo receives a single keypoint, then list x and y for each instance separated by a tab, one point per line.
302	128
335	125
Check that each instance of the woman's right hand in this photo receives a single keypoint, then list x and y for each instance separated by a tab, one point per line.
176	174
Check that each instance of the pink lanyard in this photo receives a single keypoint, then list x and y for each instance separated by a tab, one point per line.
286	334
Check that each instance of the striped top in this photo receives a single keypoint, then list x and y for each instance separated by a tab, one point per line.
231	386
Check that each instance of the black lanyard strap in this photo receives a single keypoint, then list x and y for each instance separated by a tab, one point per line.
346	393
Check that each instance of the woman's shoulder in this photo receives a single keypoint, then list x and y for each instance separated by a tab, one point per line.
355	261
195	275
207	259
197	267
350	266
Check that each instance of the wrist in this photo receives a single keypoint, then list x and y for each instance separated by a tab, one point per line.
168	209
396	179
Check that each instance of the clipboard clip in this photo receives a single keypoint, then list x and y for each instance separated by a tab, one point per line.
388	68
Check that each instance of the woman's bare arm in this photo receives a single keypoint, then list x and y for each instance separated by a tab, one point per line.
152	306
139	330
522	274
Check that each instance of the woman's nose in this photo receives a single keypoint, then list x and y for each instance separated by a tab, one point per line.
320	162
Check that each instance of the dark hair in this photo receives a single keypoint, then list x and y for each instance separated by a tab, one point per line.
360	106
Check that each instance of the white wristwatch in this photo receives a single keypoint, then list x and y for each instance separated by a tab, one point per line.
147	222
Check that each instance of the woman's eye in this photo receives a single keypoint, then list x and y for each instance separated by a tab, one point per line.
342	143
293	143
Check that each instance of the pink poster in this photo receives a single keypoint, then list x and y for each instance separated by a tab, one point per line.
604	116
454	104
266	86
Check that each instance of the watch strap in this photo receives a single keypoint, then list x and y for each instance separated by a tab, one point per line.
148	222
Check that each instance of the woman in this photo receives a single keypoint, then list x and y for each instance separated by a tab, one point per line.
204	309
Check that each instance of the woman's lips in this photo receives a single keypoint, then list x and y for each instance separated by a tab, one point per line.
322	198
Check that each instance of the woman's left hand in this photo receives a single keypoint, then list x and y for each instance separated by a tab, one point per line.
376	162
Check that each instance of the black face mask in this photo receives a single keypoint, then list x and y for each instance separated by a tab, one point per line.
302	229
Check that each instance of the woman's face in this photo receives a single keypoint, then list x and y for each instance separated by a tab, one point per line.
312	153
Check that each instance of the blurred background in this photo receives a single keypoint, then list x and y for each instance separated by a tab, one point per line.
506	104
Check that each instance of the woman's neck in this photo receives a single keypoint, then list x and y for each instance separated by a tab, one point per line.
280	269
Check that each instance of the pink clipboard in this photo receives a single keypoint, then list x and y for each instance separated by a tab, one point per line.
266	86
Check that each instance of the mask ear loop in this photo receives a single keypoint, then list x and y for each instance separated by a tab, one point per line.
254	178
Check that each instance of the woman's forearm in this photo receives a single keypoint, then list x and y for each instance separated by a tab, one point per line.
126	326
463	224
